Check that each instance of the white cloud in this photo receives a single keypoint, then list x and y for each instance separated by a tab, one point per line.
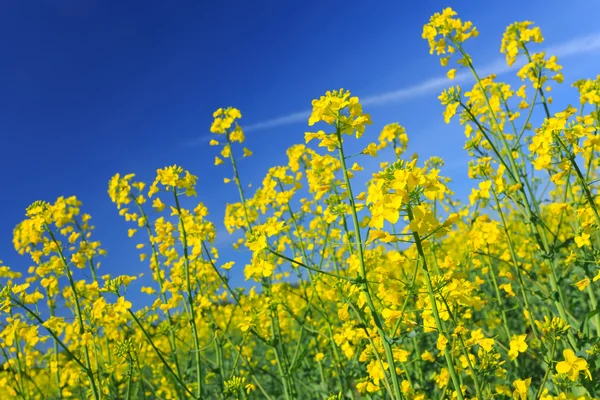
581	45
202	140
285	120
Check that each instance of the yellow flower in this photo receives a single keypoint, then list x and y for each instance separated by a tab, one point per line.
507	287
122	305
449	32
515	38
147	290
224	119
583	240
87	339
341	107
227	266
356	167
376	372
478	338
250	387
521	389
237	135
158	205
517	345
441	342
572	365
427	356
582	284
16	289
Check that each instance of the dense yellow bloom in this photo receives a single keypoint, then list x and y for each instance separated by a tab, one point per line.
516	36
339	108
445	32
368	278
224	119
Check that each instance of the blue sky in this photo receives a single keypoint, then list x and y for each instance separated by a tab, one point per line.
91	88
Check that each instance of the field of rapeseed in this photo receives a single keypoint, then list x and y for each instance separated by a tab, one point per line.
393	290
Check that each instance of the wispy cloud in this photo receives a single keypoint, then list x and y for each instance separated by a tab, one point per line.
275	122
576	46
581	45
199	141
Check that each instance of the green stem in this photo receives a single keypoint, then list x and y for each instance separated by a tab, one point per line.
129	379
548	369
492	273
159	353
513	256
434	310
363	272
162	294
77	309
190	299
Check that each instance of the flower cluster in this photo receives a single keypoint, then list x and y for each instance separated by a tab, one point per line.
382	286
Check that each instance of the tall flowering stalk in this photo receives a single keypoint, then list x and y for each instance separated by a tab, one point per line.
392	289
